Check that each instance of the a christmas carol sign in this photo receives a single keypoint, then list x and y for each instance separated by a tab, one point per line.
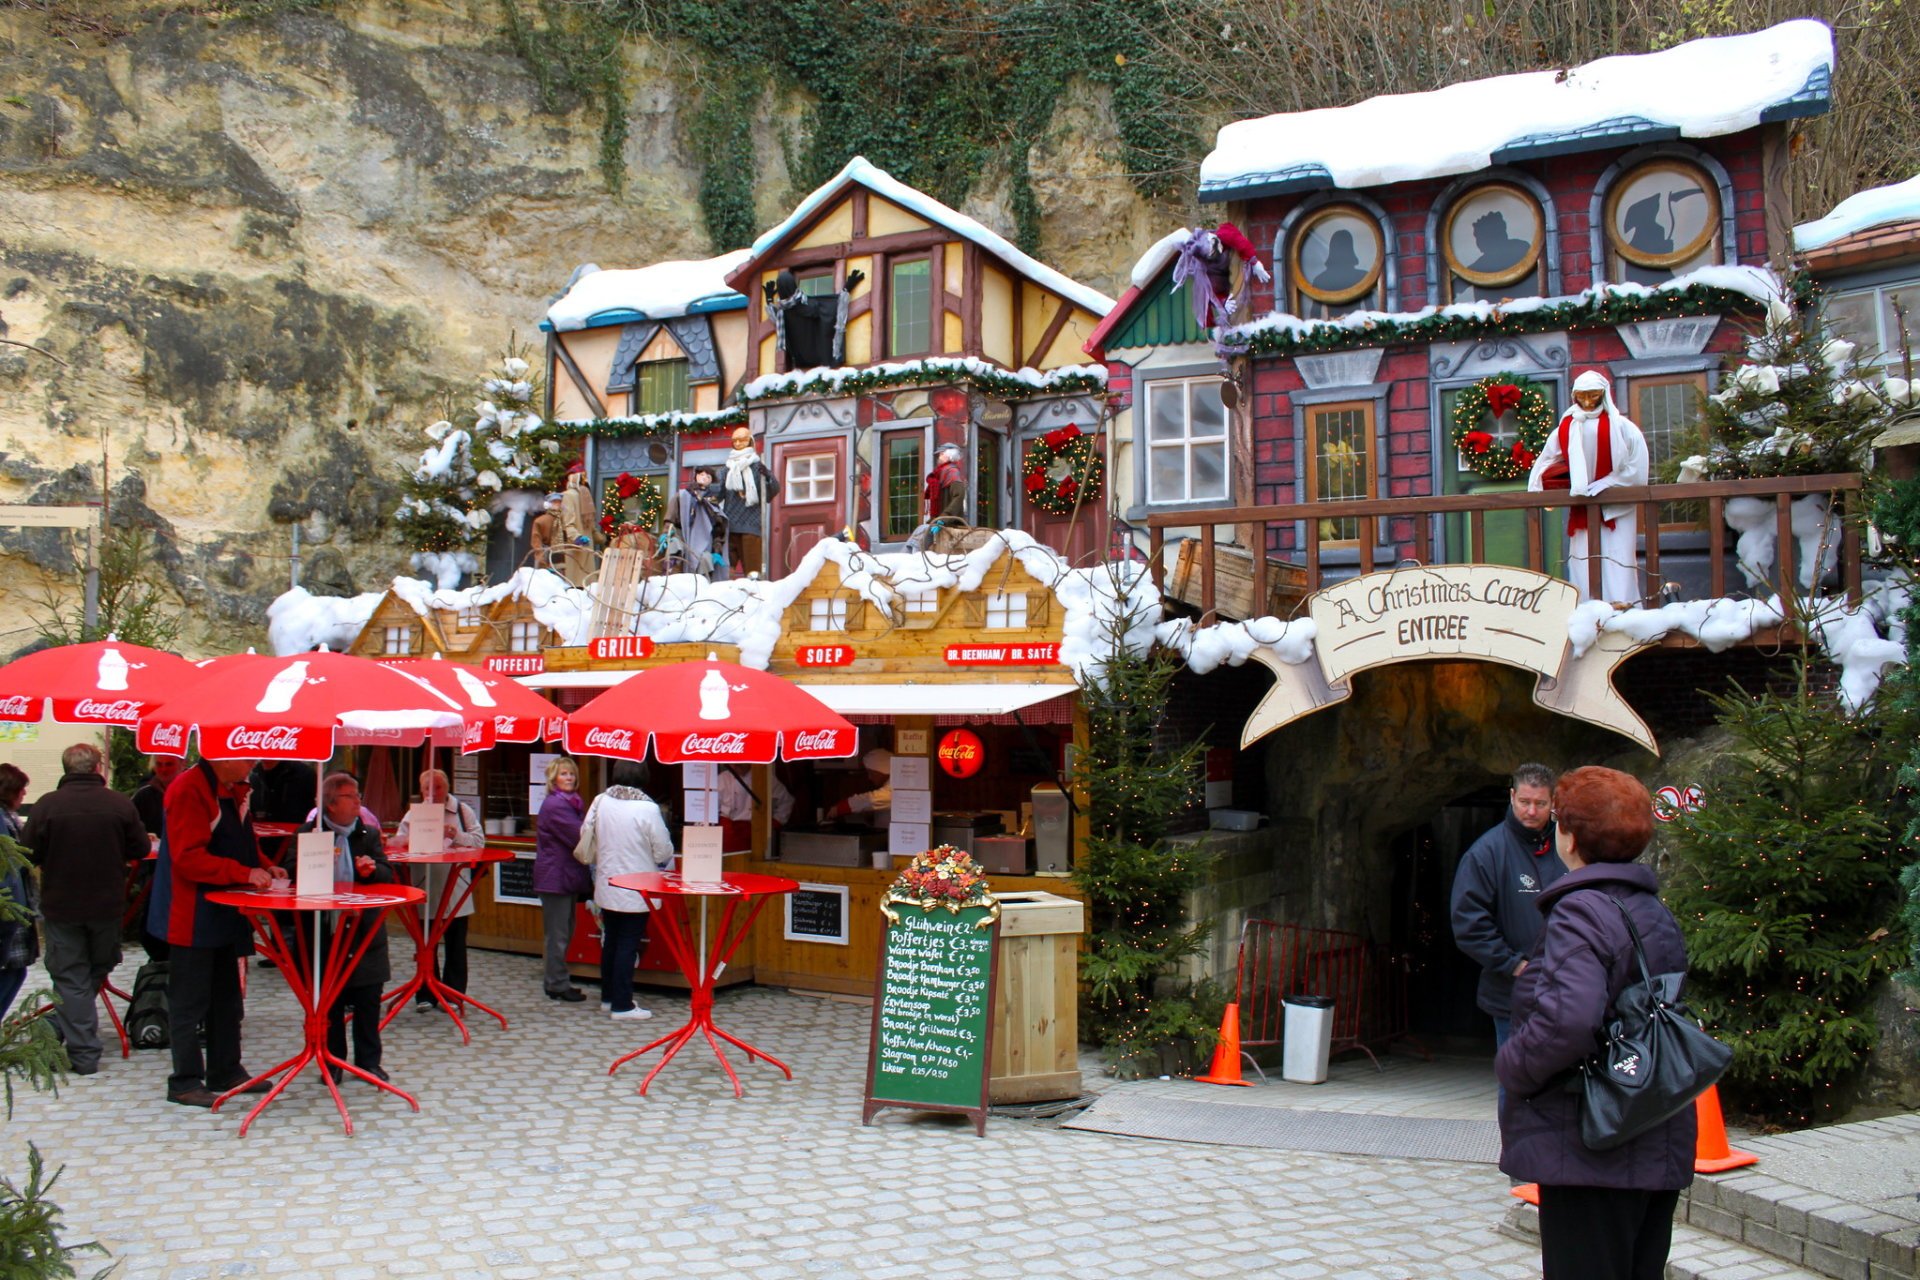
1490	612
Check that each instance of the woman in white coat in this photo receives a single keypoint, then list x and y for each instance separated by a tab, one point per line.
461	830
623	834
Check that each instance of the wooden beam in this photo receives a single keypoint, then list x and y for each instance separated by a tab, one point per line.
972	288
580	380
1054	327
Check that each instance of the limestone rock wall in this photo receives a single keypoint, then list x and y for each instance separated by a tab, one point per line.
260	254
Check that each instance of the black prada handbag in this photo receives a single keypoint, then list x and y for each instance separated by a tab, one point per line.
1656	1060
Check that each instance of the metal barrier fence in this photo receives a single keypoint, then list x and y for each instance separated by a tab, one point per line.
1366	982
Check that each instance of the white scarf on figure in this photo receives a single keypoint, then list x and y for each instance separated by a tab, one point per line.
743	475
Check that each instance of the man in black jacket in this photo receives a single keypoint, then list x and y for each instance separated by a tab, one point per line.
82	835
1496	891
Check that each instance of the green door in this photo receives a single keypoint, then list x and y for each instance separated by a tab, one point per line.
1506	530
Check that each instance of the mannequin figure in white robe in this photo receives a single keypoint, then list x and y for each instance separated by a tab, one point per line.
1592	467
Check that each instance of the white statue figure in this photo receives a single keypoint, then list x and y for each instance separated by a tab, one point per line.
1596	448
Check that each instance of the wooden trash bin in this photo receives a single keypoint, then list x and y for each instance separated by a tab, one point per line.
1036	1018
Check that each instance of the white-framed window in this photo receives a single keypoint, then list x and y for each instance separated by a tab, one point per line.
1186	441
471	615
1871	318
398	640
829	614
811	477
1006	609
927	601
524	637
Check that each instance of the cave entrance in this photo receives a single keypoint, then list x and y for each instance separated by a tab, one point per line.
1440	980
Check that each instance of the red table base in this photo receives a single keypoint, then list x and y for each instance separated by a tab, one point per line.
337	966
425	943
671	915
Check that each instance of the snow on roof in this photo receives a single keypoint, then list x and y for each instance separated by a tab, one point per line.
880	182
1157	257
657	292
1700	89
1861	211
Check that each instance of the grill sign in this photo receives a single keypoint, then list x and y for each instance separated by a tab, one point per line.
961	754
603	647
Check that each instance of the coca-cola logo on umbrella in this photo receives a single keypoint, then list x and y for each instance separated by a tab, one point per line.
18	705
718	744
608	740
819	740
277	737
121	709
169	735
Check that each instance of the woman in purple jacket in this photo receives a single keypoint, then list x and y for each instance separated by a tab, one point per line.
1604	1215
558	880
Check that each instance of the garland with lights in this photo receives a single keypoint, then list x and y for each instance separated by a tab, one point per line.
644	425
931	372
623	488
1595	308
1079	485
1489	398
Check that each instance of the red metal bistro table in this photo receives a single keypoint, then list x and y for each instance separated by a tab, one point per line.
317	973
425	941
667	898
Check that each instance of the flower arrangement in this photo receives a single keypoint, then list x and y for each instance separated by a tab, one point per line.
941	877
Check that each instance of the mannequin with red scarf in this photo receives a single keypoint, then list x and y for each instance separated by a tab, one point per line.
1596	448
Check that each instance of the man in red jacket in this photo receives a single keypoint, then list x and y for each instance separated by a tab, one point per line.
82	835
209	846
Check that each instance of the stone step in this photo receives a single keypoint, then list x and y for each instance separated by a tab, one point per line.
1695	1255
1827	1235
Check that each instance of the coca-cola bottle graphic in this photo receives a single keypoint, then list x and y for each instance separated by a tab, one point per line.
112	671
280	690
713	696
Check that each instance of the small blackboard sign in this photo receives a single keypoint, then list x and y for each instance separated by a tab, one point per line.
932	1039
817	913
513	882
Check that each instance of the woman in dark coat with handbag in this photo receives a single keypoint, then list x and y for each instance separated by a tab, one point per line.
1604	1215
359	858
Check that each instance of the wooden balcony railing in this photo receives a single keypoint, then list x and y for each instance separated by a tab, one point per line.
1256	527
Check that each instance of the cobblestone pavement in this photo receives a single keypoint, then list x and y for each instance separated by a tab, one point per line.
528	1161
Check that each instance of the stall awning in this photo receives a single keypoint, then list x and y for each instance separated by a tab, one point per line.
960	701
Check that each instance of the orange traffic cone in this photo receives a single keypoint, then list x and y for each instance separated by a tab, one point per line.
1711	1154
1226	1054
1528	1191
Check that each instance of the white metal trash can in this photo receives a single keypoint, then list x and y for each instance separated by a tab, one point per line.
1308	1039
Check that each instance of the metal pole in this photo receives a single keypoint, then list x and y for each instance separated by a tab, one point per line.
294	576
90	590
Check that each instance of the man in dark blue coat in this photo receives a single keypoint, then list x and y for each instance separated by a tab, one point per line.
1496	892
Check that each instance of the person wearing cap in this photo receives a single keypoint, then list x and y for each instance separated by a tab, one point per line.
579	525
545	535
875	804
1596	448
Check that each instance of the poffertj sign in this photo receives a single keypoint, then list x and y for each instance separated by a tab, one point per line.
1490	612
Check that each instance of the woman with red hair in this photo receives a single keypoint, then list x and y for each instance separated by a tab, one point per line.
1604	1215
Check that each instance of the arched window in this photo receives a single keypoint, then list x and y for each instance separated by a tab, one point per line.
1335	261
1662	219
1493	240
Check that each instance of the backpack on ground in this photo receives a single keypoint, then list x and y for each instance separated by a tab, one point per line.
147	1009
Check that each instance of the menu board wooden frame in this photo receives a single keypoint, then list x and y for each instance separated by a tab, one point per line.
872	1105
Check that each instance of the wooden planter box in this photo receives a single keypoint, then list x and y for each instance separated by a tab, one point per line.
1233	582
1036	1027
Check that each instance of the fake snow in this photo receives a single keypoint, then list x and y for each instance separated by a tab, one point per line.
1149	264
657	292
1861	211
517	505
829	381
300	622
1703	88
447	567
880	182
1757	283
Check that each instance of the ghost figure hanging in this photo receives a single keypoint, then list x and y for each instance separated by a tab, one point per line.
1204	263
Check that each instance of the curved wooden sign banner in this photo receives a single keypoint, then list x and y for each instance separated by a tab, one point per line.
1492	613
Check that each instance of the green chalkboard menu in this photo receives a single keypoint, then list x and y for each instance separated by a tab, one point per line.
933	1013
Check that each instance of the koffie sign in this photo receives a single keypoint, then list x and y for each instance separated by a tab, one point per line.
1492	613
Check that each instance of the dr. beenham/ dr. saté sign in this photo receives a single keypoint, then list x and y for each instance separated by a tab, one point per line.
1490	612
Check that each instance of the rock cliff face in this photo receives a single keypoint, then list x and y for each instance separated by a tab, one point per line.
256	256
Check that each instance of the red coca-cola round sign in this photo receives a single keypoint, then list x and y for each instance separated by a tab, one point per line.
961	753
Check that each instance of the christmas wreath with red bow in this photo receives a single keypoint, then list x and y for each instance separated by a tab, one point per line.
1078	485
1474	412
616	520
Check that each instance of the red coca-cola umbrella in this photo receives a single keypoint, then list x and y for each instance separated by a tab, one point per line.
499	710
709	710
99	682
292	708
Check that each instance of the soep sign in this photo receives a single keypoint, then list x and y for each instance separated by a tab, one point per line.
1489	612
